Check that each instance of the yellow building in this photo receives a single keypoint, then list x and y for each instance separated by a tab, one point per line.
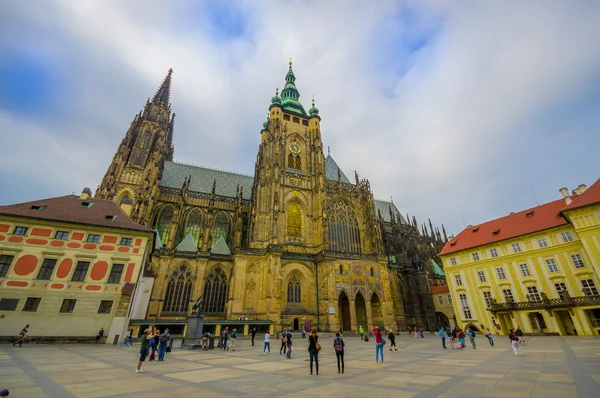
442	299
68	266
537	269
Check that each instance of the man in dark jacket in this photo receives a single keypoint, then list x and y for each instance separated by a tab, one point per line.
143	350
253	334
163	342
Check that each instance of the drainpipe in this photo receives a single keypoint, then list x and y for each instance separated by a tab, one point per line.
318	306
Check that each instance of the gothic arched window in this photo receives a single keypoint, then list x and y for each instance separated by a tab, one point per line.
293	290
298	163
343	231
294	219
179	288
192	224
220	228
145	141
290	161
372	272
215	291
163	223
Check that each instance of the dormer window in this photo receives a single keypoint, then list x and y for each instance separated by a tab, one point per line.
87	204
496	232
37	207
453	243
110	218
476	230
530	214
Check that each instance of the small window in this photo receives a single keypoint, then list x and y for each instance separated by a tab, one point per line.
476	230
566	236
453	261
296	120
47	269
286	117
80	271
500	272
458	280
61	235
467	313
105	307
524	269
67	306
481	276
110	218
493	253
533	294
7	304
372	272
115	273
487	297
589	287
552	267
475	256
126	241
508	296
37	207
5	262
93	238
305	122
20	230
542	242
496	232
453	243
32	304
561	289
449	297
440	299
530	214
341	269
577	261
87	204
516	247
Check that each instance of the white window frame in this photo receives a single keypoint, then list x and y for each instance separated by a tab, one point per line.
566	236
577	260
464	301
458	280
481	276
493	253
500	273
449	297
588	285
542	242
487	297
551	264
453	261
475	256
440	299
509	295
516	247
524	270
467	313
534	294
563	288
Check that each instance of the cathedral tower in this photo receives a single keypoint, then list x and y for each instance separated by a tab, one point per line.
288	193
133	178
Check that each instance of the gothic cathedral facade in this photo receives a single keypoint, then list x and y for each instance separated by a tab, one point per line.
295	242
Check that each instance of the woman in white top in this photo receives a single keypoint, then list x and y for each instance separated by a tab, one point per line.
267	343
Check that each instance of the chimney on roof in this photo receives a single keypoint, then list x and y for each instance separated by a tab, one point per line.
580	189
565	194
127	205
85	194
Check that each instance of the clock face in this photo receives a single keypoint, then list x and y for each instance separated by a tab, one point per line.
295	147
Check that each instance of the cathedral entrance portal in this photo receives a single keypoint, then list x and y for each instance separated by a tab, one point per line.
344	304
376	310
361	311
296	324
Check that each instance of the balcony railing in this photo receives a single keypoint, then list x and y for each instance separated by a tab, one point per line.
545	303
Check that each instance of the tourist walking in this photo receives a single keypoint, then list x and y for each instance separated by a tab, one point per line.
442	334
488	334
513	337
253	333
289	340
232	339
153	345
22	336
455	338
378	344
313	350
126	338
143	350
521	335
392	338
409	330
361	331
225	336
267	342
163	341
461	339
283	338
338	346
450	338
99	335
204	341
471	334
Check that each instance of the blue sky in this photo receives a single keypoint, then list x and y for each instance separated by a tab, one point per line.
457	111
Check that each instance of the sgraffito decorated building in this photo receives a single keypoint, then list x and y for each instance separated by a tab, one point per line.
296	242
68	266
537	268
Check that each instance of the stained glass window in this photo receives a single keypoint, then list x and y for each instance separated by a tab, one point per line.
298	165
215	291
343	231
220	228
293	290
163	223
294	219
179	289
193	224
290	161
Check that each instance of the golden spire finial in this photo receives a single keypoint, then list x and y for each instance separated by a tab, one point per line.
290	61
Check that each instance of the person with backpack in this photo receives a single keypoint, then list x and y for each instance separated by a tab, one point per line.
513	337
379	342
288	341
392	338
471	334
442	334
338	345
283	337
232	339
163	341
488	334
313	350
154	344
361	331
520	334
461	340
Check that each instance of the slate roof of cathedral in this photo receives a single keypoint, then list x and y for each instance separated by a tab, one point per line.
71	209
331	170
383	207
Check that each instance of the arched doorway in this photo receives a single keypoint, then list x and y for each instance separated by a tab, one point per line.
344	311
376	310
361	311
441	321
296	324
473	328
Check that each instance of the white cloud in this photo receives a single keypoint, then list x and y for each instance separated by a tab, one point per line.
452	128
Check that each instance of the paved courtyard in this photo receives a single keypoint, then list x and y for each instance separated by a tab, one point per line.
548	367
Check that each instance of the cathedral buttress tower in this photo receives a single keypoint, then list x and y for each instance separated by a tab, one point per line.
133	178
288	197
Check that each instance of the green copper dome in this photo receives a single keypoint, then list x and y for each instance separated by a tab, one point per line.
290	95
313	111
276	100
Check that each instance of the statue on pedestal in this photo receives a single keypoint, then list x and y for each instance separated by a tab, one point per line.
198	307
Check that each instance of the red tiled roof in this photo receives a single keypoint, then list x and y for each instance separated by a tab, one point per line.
589	197
524	222
439	289
70	209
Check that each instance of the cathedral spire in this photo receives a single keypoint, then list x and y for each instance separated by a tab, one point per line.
170	145
164	91
290	95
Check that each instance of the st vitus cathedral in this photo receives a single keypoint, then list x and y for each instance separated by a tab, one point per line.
297	242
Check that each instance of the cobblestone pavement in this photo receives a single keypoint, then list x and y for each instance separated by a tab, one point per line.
547	367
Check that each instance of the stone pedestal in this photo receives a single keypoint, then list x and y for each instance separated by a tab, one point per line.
193	333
